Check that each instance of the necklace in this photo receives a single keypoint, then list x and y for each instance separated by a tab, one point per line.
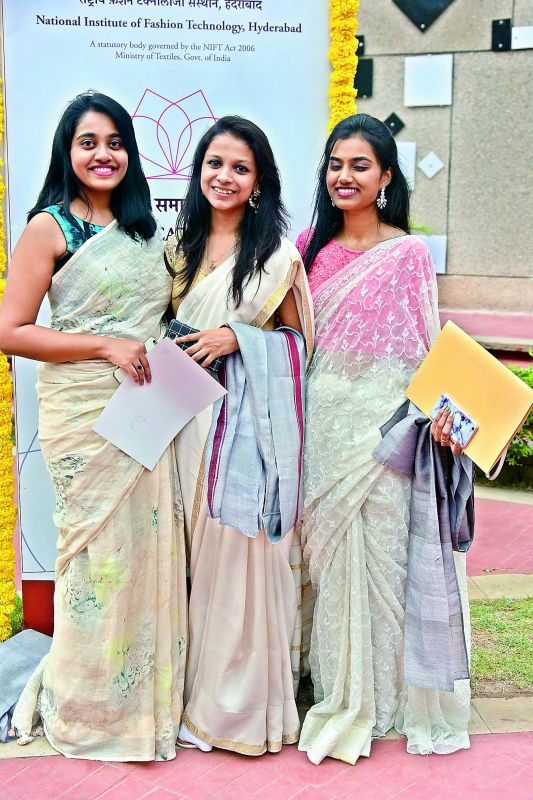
212	263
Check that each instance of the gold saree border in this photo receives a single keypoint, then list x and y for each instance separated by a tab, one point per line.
198	494
240	747
274	300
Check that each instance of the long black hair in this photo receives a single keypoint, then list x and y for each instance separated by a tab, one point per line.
327	219
260	230
130	200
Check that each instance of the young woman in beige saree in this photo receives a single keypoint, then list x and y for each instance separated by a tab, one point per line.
244	617
375	298
111	686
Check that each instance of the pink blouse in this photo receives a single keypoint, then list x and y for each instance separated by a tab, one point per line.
331	259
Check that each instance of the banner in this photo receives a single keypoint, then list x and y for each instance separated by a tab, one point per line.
177	66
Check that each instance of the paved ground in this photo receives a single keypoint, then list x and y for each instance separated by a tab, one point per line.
496	767
503	542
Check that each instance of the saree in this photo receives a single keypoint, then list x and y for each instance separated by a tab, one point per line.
111	687
375	320
244	608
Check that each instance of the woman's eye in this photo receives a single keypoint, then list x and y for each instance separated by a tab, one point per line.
334	167
115	144
241	168
360	169
87	143
214	162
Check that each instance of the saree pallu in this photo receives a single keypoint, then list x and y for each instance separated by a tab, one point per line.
245	603
111	687
375	320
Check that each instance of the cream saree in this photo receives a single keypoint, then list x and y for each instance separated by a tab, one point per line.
244	609
111	687
375	320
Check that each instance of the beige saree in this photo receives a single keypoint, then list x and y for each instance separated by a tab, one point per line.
245	607
111	686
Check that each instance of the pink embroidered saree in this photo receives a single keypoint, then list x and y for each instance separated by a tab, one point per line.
375	320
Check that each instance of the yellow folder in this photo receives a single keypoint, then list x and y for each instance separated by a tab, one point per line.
486	390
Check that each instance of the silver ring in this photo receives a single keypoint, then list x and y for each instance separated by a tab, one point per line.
139	365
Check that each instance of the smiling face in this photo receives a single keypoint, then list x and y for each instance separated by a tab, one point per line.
354	176
229	173
98	156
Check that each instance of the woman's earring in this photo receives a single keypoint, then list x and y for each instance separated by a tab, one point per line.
381	200
254	199
333	203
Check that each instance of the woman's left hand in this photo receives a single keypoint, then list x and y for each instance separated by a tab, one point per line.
440	430
210	344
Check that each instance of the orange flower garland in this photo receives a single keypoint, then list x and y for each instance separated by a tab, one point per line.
342	54
8	511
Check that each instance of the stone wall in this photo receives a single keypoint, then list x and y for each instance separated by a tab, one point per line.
481	198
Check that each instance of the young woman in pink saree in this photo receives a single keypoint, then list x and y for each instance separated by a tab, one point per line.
375	300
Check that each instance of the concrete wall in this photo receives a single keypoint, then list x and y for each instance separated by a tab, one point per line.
481	199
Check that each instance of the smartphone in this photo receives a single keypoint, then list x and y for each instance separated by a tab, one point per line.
120	373
463	426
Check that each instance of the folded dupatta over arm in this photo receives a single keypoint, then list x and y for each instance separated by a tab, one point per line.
441	521
245	606
255	445
375	320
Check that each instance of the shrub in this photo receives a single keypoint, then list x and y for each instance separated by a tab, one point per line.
518	469
521	447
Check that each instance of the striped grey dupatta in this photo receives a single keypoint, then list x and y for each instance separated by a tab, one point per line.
441	521
255	444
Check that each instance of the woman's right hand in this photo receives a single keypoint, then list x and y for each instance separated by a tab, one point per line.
440	430
130	356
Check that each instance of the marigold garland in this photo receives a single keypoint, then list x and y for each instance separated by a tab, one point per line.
342	54
8	512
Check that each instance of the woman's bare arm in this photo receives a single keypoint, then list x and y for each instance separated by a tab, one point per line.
288	312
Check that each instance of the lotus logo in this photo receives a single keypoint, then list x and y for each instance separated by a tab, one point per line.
168	132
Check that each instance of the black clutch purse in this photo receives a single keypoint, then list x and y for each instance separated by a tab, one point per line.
177	329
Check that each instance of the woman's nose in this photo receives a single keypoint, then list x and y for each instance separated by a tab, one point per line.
102	153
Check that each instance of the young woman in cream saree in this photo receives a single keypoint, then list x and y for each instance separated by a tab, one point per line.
233	264
111	686
375	298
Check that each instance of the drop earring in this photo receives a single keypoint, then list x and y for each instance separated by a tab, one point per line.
333	203
253	200
381	200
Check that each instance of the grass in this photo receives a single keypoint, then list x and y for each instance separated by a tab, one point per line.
502	647
17	620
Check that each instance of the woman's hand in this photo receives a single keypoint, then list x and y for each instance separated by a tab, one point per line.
130	356
210	344
440	430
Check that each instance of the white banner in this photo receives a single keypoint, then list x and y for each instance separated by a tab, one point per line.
176	65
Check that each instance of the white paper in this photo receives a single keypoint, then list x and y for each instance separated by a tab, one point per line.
428	80
407	161
143	420
437	246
